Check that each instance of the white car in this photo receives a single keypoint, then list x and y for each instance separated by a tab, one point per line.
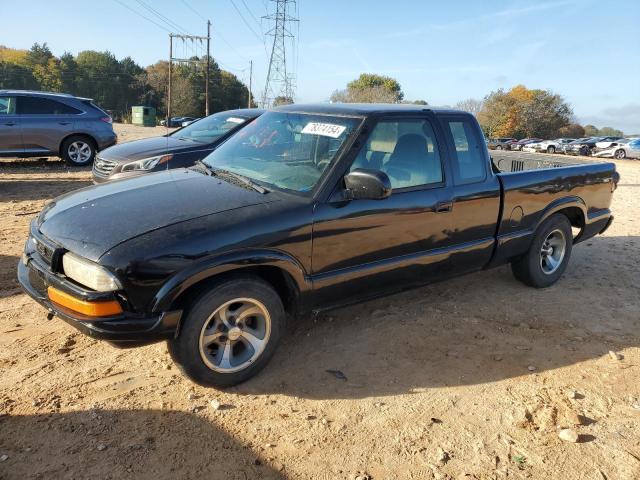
625	148
548	146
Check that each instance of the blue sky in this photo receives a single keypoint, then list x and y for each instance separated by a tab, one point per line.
442	52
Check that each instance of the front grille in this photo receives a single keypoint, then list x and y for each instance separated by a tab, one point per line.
103	167
44	251
37	282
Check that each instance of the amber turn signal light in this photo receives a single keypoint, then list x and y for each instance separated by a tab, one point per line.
90	309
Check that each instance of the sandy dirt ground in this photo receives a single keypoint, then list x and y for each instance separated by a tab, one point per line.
471	378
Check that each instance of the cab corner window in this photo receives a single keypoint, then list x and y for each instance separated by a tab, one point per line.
406	150
7	105
469	161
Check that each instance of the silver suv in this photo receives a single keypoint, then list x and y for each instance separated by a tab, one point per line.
41	124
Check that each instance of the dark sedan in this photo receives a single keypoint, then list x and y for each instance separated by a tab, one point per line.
178	149
586	146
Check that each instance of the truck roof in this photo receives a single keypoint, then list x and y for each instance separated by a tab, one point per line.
363	109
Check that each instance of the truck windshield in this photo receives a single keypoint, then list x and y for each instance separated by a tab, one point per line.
287	150
209	128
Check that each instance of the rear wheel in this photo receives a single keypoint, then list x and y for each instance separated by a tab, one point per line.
620	154
548	255
78	150
551	149
230	333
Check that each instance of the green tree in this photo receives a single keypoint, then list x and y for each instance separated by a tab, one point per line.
610	132
370	88
590	131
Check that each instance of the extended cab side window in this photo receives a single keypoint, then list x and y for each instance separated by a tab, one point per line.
469	163
406	150
7	105
44	106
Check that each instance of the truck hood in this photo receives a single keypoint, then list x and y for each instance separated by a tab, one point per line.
149	147
93	220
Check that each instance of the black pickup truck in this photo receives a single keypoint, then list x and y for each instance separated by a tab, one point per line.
308	208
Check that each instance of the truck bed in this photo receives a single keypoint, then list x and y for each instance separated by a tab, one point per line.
534	188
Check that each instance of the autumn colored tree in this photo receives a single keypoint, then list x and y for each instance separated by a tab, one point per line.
522	112
282	100
573	130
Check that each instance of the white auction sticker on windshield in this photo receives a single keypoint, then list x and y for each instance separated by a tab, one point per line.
235	120
325	129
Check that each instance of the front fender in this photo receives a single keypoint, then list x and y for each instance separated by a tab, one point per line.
233	261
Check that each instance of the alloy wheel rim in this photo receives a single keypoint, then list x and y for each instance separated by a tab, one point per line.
79	152
552	251
235	335
620	154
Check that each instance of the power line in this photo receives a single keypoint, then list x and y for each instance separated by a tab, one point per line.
245	21
141	15
255	19
193	10
166	20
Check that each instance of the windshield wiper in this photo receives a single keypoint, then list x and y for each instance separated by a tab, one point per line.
241	178
208	170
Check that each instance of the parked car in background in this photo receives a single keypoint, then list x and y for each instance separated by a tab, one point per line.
181	148
625	148
548	146
309	207
188	122
175	121
586	146
521	143
43	124
503	143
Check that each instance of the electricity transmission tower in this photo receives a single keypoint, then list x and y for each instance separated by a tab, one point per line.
279	80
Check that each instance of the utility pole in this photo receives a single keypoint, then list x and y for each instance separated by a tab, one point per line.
169	88
250	76
190	61
279	81
206	76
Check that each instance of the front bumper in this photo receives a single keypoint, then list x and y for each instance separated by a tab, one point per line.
125	330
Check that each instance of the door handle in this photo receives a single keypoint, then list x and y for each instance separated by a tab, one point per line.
64	123
10	124
444	207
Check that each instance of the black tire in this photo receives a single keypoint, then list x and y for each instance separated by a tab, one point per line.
186	348
551	149
499	147
71	148
620	154
529	268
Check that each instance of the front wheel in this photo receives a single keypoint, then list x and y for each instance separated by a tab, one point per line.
78	151
230	333
551	149
548	255
620	154
499	147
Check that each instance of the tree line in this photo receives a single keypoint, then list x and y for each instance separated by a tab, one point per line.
519	112
117	85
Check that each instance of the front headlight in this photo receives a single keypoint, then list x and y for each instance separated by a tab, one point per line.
89	274
146	163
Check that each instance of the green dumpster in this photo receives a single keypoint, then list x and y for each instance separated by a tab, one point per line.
145	116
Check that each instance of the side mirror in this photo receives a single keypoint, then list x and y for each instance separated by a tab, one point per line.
367	184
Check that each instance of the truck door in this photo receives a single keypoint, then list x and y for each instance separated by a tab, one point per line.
364	247
10	132
475	207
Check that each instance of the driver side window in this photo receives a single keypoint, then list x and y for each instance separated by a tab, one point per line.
406	150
